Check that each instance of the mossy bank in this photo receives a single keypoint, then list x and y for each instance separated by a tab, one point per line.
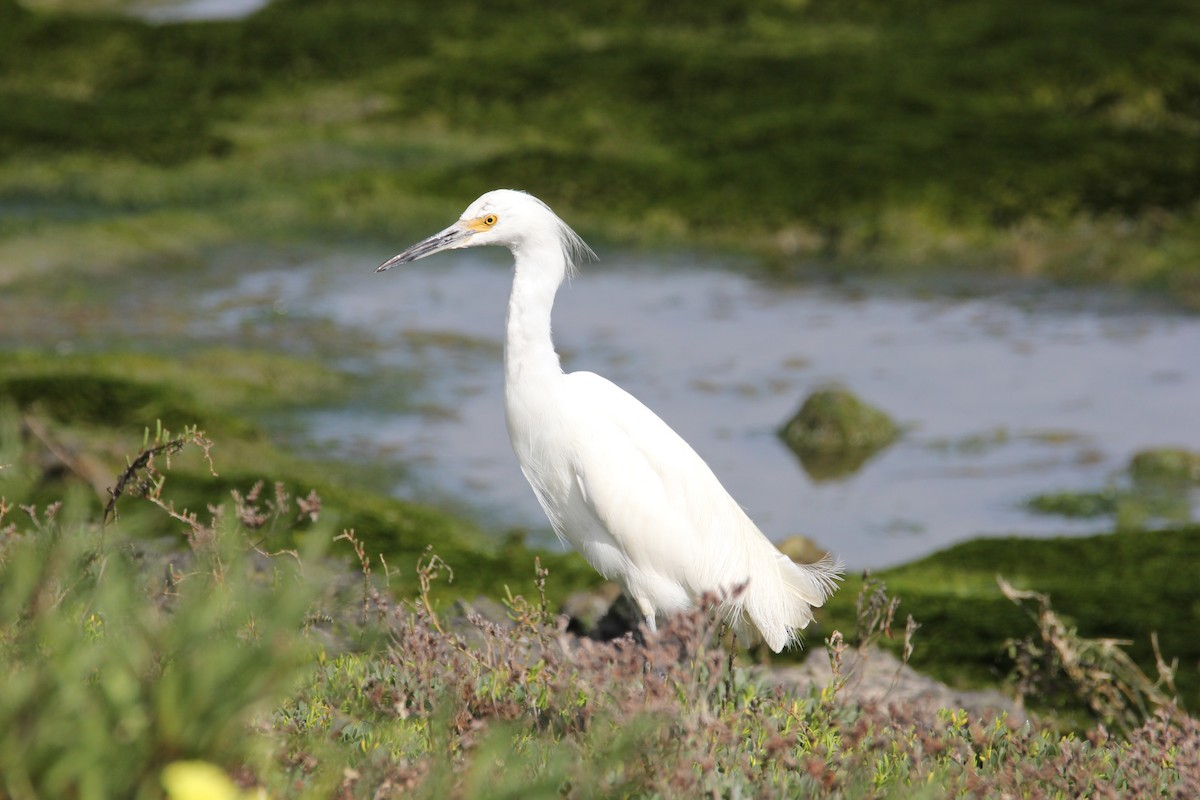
1062	142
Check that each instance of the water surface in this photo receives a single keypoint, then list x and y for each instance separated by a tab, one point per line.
1002	399
171	11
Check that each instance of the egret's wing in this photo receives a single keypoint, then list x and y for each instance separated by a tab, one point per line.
657	498
677	525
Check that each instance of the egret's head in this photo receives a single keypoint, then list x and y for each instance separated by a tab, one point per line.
503	217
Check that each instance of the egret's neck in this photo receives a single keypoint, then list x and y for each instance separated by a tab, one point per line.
528	348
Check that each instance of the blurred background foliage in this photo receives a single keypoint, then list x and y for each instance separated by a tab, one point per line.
1055	138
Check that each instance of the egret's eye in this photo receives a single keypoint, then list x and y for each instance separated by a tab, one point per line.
489	220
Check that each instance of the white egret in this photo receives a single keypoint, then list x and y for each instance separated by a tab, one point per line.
615	481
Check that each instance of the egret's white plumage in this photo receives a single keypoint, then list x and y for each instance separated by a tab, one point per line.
615	481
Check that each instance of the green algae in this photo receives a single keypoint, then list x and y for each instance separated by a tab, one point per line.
1157	487
1061	144
1167	465
1124	585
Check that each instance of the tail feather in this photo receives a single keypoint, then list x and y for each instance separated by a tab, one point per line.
805	587
813	583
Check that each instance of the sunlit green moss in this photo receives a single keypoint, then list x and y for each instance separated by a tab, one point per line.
834	433
1124	585
1061	144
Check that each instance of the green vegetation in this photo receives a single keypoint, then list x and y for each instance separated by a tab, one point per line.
1125	585
1061	142
214	619
1165	466
119	660
129	668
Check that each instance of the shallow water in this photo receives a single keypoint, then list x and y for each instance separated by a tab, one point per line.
167	11
1003	399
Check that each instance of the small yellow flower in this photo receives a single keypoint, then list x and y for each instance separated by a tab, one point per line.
198	780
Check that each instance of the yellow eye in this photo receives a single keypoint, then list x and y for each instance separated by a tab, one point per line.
489	220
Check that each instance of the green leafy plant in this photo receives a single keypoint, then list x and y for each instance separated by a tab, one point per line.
120	657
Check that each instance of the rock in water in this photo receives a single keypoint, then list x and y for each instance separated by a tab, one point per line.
1165	465
834	433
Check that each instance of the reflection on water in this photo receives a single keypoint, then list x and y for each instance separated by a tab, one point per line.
1001	401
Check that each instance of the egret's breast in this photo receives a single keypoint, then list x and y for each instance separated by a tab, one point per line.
544	436
541	440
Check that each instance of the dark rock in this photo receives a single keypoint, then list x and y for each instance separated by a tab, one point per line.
586	608
603	613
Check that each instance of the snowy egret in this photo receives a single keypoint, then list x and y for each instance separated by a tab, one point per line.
615	481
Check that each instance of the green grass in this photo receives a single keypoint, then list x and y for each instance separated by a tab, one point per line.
112	671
